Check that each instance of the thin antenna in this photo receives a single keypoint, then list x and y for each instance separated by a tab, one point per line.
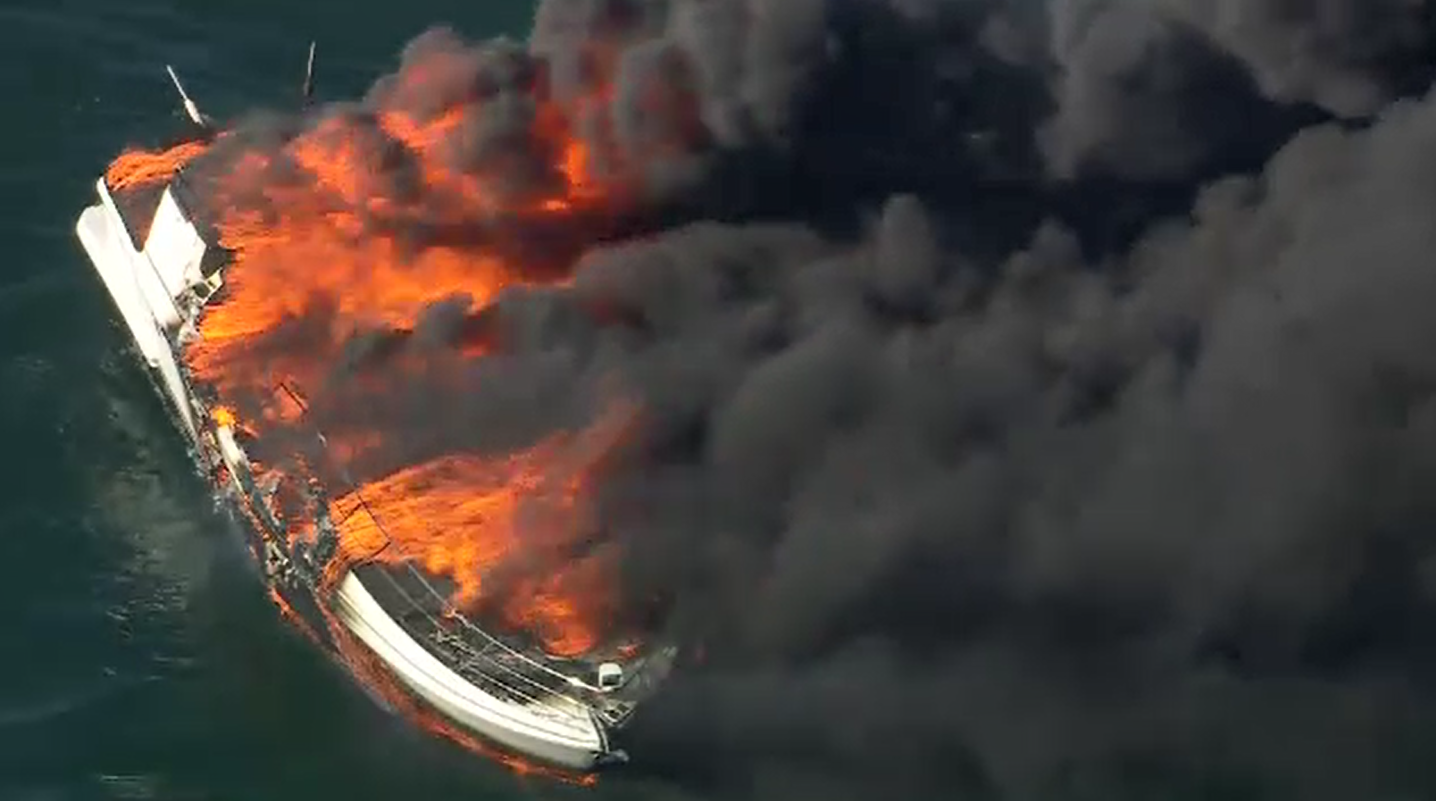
189	106
309	76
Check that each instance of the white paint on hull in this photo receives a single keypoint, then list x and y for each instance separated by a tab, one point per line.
558	730
147	307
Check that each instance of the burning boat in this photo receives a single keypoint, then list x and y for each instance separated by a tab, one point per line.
334	566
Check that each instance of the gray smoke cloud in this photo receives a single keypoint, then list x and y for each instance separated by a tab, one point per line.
1083	522
1347	56
1133	520
1038	396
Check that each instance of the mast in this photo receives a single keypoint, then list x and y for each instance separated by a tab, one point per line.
308	90
189	105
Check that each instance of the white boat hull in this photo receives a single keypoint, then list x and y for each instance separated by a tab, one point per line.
145	285
565	737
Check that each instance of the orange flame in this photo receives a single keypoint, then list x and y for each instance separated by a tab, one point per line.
223	417
317	232
137	167
465	517
297	244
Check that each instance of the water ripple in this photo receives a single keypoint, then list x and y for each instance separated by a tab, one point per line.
50	710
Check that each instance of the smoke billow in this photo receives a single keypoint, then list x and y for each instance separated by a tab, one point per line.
1039	398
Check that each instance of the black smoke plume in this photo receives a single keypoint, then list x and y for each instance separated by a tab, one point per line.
1040	397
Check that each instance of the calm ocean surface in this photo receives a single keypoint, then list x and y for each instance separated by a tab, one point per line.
140	658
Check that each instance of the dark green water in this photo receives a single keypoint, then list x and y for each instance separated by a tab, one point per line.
140	659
